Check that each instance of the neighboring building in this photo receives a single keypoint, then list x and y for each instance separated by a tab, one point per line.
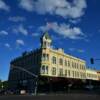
47	62
91	74
98	72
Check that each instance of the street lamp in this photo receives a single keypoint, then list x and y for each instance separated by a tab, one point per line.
30	73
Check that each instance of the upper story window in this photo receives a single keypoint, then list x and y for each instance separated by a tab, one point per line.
72	64
75	65
69	63
65	62
45	57
44	44
61	61
44	69
54	60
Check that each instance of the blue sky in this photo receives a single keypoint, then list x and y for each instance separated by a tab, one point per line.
73	25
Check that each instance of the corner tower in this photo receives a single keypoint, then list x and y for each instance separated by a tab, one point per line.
46	41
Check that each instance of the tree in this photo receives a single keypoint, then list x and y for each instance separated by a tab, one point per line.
3	85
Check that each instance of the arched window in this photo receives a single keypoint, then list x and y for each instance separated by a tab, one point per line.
44	69
45	57
54	60
61	61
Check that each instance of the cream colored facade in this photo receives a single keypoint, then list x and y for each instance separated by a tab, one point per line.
91	74
56	63
98	72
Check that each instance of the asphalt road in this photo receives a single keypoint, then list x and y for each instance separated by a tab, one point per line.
52	97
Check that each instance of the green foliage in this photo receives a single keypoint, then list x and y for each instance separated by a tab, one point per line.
3	85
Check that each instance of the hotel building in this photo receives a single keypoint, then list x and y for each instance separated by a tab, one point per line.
50	65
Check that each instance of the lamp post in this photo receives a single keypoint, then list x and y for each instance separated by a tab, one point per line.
30	73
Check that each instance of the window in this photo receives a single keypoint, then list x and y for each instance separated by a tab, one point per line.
45	44
61	61
68	63
73	64
45	57
54	60
77	74
53	71
77	65
44	69
69	73
73	74
65	62
61	72
65	72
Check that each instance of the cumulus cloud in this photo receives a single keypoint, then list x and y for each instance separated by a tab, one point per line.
16	18
65	30
3	32
64	8
4	6
20	42
20	29
7	45
27	4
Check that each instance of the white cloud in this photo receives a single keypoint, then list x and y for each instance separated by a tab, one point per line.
27	4
20	42
7	45
20	29
76	50
16	18
3	32
71	49
35	34
65	30
4	6
75	21
64	8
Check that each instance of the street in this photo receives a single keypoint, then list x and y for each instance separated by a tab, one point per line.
52	97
